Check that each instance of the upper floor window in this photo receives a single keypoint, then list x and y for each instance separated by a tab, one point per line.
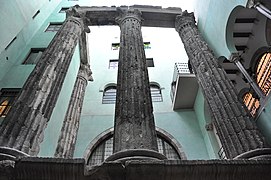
53	27
63	10
264	73
116	46
109	95
34	56
156	94
251	103
147	45
263	79
7	97
113	63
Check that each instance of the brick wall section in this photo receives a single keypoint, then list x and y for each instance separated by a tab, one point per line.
237	132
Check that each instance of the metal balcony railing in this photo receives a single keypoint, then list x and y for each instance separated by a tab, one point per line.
179	68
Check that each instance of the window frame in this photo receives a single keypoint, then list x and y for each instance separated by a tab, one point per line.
9	95
53	27
38	51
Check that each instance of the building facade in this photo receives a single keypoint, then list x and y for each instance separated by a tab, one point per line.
92	92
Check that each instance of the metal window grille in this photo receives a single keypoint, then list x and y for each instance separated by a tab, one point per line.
113	64
105	149
251	103
264	73
109	95
156	94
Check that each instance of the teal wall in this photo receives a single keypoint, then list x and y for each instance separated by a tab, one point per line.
212	17
165	51
16	21
187	126
204	119
52	132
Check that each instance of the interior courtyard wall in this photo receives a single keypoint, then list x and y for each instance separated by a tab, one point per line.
212	22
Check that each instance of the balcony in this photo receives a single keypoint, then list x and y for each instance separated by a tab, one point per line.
184	87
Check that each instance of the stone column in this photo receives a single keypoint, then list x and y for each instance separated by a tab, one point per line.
66	142
134	120
237	132
24	125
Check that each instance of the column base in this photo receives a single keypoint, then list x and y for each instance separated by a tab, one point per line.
7	153
136	154
261	153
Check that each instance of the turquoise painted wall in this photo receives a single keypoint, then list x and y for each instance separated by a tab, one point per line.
165	51
24	29
212	17
52	132
204	119
186	126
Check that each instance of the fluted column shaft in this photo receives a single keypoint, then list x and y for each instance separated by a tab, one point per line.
23	127
67	139
236	131
134	120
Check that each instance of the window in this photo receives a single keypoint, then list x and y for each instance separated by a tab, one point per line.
147	45
109	95
105	149
63	10
34	56
113	63
36	14
264	73
263	79
7	97
116	46
251	103
53	27
149	62
156	94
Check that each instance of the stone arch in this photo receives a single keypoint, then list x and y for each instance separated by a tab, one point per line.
109	133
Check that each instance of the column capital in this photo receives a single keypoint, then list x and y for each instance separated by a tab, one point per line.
184	19
85	72
128	14
74	12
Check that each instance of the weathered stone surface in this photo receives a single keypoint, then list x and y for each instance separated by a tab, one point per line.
70	169
134	120
23	127
236	131
67	139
